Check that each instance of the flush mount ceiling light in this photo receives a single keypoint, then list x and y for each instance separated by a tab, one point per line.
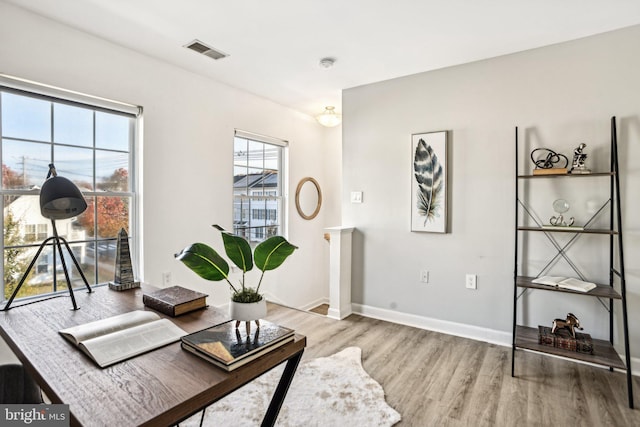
329	117
327	62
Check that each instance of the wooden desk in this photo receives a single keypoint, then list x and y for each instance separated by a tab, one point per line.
160	388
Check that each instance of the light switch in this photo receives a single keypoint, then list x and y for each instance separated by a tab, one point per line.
356	197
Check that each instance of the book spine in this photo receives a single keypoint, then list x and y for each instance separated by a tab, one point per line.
545	339
158	305
565	343
581	344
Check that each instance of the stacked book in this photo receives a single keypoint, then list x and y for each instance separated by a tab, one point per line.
175	300
229	347
562	338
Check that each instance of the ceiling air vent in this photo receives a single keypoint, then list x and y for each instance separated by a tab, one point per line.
205	50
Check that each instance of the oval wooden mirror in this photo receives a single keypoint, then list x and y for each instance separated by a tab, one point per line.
308	198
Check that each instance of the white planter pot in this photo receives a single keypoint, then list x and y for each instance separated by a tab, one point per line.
246	312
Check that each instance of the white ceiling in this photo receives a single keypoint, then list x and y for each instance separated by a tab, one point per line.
275	45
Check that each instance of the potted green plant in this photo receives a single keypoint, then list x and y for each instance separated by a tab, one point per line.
246	302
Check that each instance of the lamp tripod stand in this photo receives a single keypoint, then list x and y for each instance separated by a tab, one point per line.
56	244
59	199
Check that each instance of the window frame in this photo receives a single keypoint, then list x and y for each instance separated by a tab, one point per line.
261	232
54	95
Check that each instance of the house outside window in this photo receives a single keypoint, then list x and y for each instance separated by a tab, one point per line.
35	232
258	193
91	142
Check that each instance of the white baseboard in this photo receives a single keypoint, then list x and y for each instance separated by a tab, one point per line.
444	326
635	365
451	328
314	304
271	298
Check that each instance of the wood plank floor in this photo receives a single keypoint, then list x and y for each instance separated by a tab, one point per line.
434	379
321	309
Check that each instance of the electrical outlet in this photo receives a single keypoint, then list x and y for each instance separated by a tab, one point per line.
471	281
424	276
356	197
166	279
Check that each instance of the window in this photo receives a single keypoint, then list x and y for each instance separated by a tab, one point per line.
35	232
258	214
91	142
258	195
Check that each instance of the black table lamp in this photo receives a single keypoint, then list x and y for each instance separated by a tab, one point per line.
59	199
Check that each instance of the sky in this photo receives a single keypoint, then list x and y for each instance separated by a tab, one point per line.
29	125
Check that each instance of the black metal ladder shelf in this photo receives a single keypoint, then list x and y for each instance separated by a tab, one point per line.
525	337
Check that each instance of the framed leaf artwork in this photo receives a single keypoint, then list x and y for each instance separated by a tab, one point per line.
429	182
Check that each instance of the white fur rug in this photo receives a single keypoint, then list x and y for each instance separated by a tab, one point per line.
327	391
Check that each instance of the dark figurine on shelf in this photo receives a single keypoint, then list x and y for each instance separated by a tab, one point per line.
544	158
571	323
579	157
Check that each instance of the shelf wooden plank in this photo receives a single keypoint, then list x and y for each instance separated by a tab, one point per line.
577	175
601	291
603	352
567	230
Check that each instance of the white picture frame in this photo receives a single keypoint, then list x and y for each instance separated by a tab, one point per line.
429	184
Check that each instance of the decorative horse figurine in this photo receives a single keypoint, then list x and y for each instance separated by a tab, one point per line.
570	323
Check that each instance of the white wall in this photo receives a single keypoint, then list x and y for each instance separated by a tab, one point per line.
560	96
187	152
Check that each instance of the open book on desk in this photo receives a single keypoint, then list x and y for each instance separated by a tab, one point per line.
565	283
120	337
